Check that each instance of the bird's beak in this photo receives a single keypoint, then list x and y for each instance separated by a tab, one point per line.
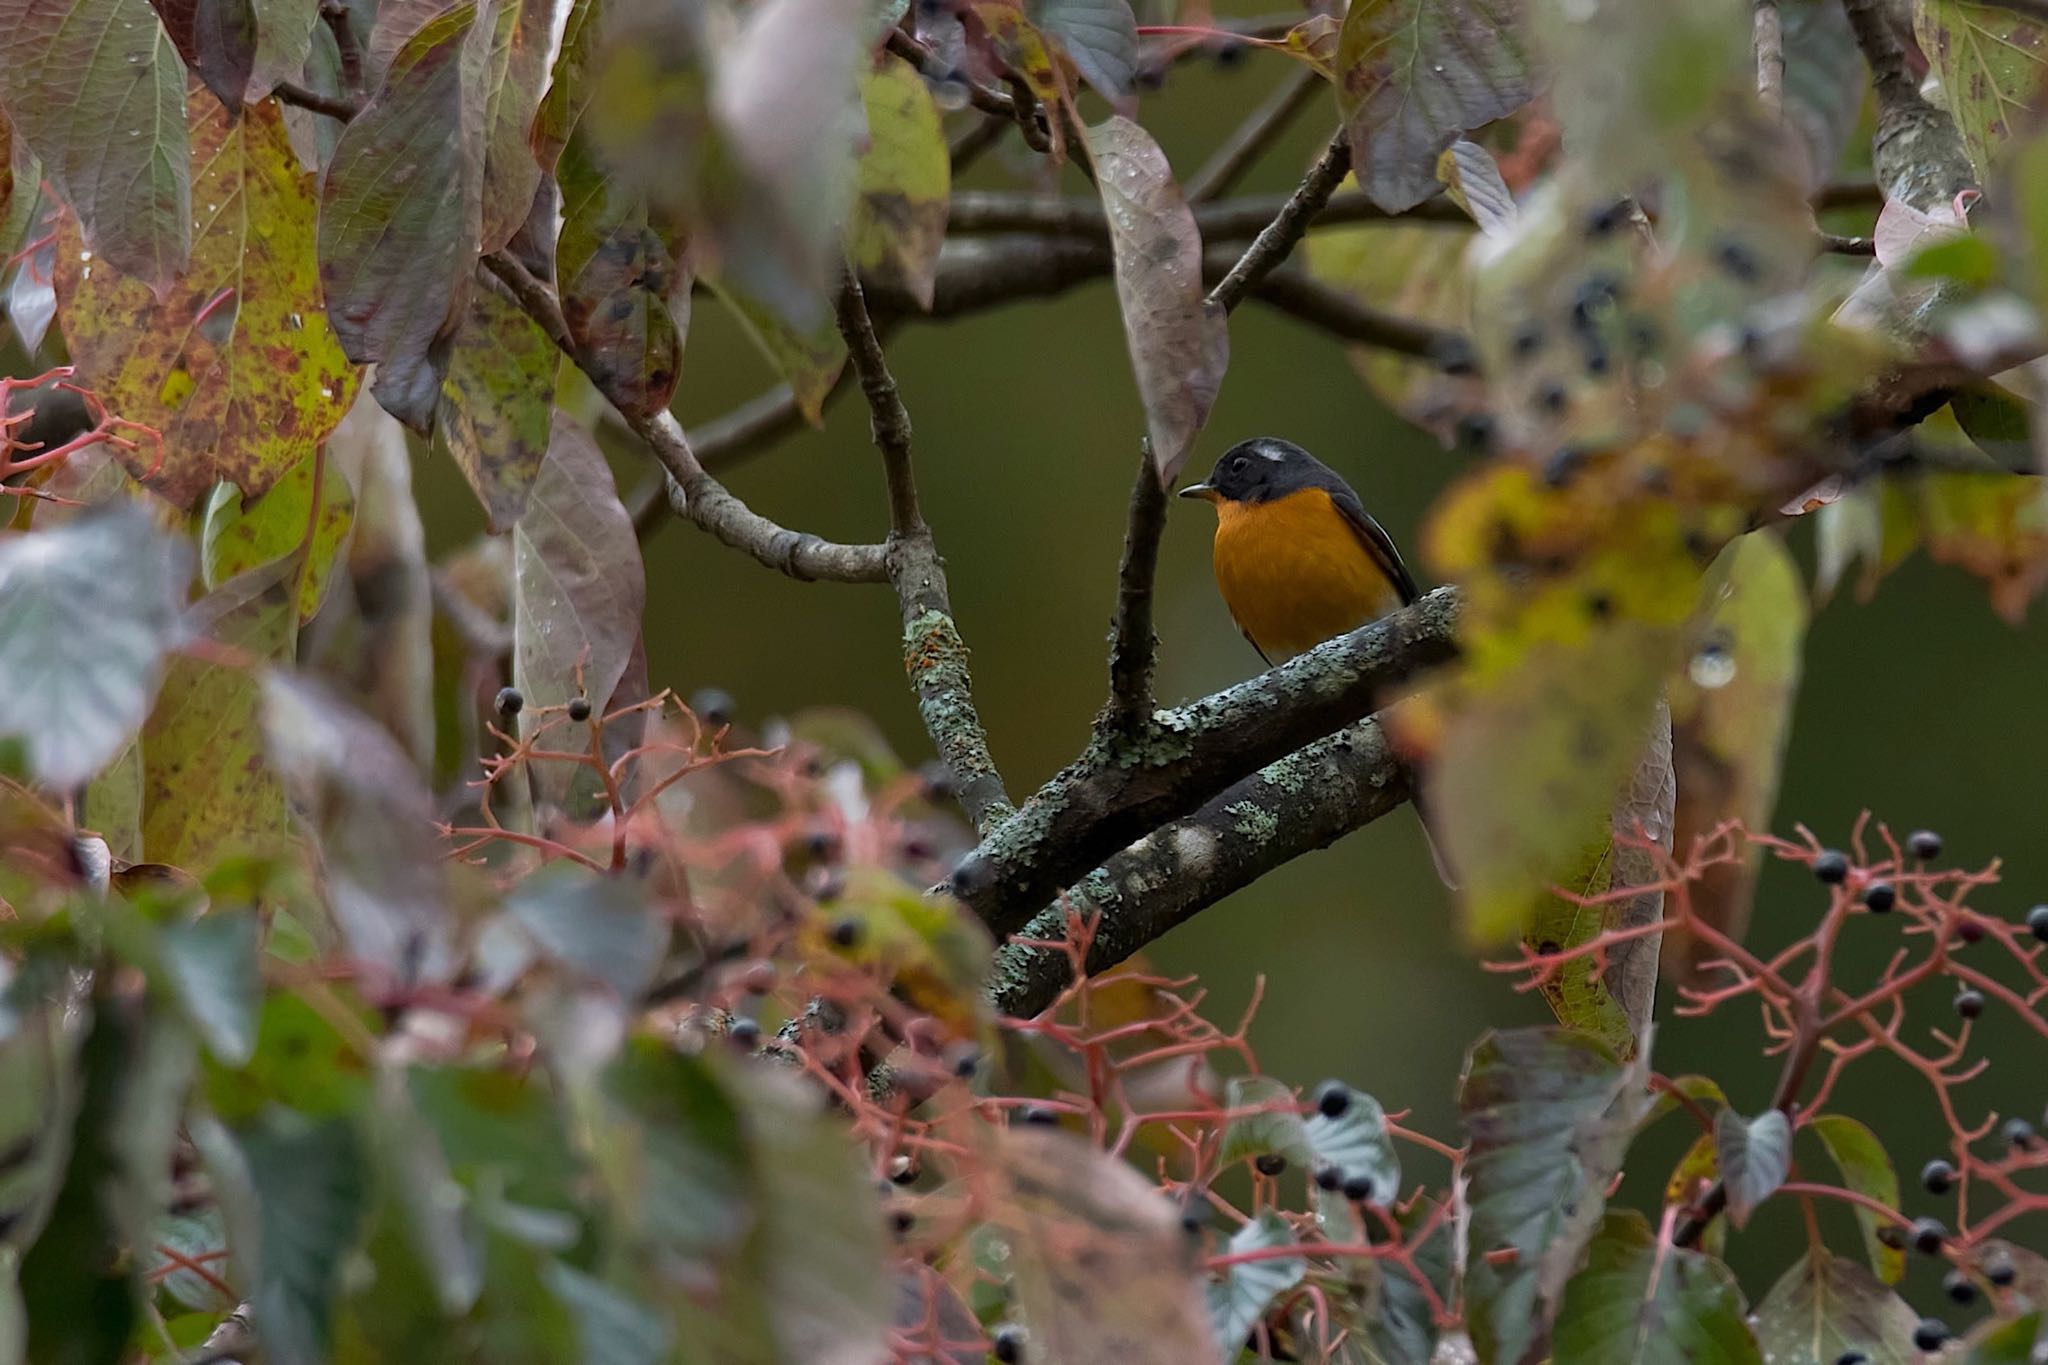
1202	491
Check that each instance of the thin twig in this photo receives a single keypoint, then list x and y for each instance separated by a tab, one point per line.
1768	37
334	106
991	211
1273	245
986	98
1134	646
1260	130
889	420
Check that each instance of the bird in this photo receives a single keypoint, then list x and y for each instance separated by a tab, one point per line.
1297	557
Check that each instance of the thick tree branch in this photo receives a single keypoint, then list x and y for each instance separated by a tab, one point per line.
1305	801
1918	154
1120	790
934	655
1260	130
692	492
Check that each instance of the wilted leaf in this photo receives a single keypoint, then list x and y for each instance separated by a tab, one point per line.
234	363
400	215
1867	1169
1731	709
91	608
1104	1272
1472	178
1179	343
310	1187
904	182
1825	1307
374	823
1313	43
1239	1300
240	533
207	790
1990	62
496	403
1549	1114
578	585
1413	76
1755	1156
1992	525
1100	37
598	926
809	361
96	90
1636	1303
516	72
934	954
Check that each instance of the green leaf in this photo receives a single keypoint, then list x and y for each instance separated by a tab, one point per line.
239	534
1413	76
301	1062
496	403
613	1328
1549	1114
1755	1156
201	1237
1100	37
1731	711
207	791
1700	1089
514	76
91	608
82	1293
400	214
1239	1300
1399	1323
903	184
1636	1303
1990	64
596	925
1826	1306
374	822
1358	1144
1867	1169
1996	420
2005	1343
810	362
1279	1130
311	1186
96	90
578	589
676	1166
1179	343
210	965
234	363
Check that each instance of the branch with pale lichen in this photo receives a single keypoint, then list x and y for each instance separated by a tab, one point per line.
1122	788
1304	801
1918	155
934	655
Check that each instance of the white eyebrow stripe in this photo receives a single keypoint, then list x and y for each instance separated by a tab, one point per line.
1266	454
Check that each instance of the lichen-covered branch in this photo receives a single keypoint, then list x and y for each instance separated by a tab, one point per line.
1918	154
1305	801
1123	787
934	655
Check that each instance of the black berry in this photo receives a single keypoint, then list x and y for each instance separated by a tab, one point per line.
579	708
902	1170
713	705
1328	1176
1230	55
1969	1003
1007	1345
2037	922
1999	1270
1737	261
1193	1218
1851	1358
509	702
822	843
1936	1176
1924	844
1333	1099
901	1221
1831	867
744	1032
1551	397
966	1064
1957	1286
1879	897
1269	1163
1928	1234
1930	1334
1603	221
1038	1116
1358	1188
1559	468
1475	431
846	932
1526	340
1968	931
2019	1134
1453	355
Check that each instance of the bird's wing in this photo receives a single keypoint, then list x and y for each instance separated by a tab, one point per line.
1377	543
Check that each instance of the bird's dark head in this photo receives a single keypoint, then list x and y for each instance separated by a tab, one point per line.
1262	469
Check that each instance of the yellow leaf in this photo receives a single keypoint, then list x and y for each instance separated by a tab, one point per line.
903	183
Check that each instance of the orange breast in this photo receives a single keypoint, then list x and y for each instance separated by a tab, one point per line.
1293	573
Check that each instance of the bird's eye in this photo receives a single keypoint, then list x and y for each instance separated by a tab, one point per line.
1236	463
